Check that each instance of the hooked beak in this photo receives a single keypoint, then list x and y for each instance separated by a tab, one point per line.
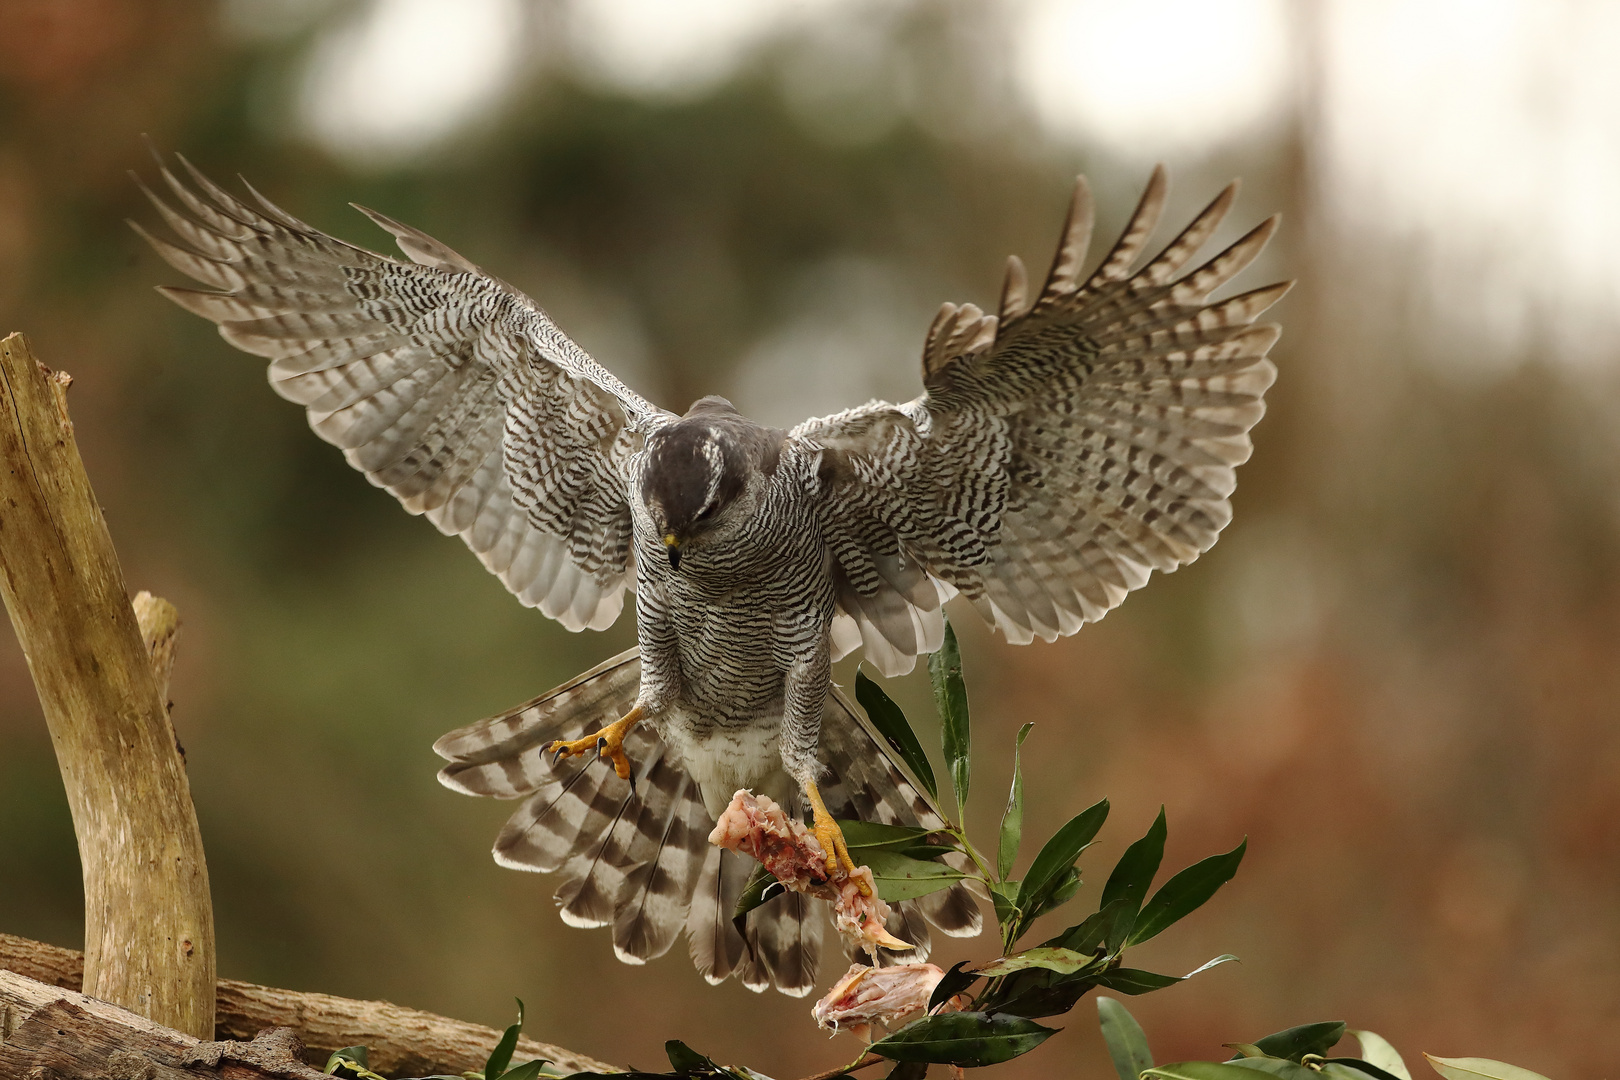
673	547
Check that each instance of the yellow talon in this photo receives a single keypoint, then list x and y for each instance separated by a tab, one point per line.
831	838
608	743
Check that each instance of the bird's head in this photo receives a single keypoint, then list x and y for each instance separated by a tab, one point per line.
695	473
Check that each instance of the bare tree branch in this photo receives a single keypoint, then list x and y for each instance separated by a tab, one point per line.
400	1041
149	923
48	1033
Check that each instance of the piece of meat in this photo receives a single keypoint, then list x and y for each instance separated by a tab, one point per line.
756	826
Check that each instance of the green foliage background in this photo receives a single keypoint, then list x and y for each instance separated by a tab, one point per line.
1396	673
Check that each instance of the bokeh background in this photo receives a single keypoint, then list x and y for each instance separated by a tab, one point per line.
1397	674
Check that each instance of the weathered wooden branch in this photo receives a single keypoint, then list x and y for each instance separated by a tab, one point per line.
159	623
149	922
47	1033
401	1041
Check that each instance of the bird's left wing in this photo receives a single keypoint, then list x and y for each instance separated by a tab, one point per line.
1062	450
441	383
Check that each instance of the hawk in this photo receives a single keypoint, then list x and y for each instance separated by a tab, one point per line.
1062	449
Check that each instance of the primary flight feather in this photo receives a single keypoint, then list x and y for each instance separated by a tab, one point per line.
1062	449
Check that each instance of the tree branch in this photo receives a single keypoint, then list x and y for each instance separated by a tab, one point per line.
48	1033
400	1041
149	923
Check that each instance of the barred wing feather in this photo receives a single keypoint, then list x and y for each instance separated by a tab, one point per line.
1063	448
439	382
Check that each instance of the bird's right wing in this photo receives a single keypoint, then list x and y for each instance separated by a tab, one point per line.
441	383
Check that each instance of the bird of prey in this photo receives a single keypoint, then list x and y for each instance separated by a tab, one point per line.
1062	449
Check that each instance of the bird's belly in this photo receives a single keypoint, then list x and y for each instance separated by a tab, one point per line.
723	759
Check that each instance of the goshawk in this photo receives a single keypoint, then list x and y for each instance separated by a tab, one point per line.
1062	449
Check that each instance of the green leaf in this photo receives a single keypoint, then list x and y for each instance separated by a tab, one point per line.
1105	929
926	851
529	1070
349	1055
1119	918
1049	999
501	1056
1349	1068
1127	1045
1012	818
968	1039
871	834
950	697
1275	1066
1200	1070
1062	961
1059	891
1376	1050
908	1070
899	877
1472	1068
683	1058
891	723
1186	893
1224	958
1134	872
1059	853
752	896
955	981
1004	895
1135	981
354	1063
1245	1049
1295	1042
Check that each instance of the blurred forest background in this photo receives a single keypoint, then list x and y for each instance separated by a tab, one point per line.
1398	673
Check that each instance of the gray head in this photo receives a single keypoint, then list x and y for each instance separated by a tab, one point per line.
697	469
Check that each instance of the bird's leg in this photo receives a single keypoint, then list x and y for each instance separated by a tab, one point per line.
831	837
608	743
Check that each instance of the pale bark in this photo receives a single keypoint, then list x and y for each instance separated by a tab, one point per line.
149	928
400	1041
48	1033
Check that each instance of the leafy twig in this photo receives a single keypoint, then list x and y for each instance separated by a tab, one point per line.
862	1062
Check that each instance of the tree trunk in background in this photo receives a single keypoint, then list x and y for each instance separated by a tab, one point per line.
149	924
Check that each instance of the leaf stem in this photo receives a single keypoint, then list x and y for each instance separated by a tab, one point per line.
971	852
843	1070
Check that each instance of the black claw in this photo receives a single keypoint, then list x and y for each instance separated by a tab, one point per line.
632	783
600	745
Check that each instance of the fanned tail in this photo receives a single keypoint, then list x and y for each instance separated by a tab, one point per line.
641	862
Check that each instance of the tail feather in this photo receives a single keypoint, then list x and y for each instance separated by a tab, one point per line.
592	877
494	756
784	945
717	949
641	862
672	836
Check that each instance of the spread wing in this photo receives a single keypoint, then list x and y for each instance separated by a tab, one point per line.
1062	450
441	383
